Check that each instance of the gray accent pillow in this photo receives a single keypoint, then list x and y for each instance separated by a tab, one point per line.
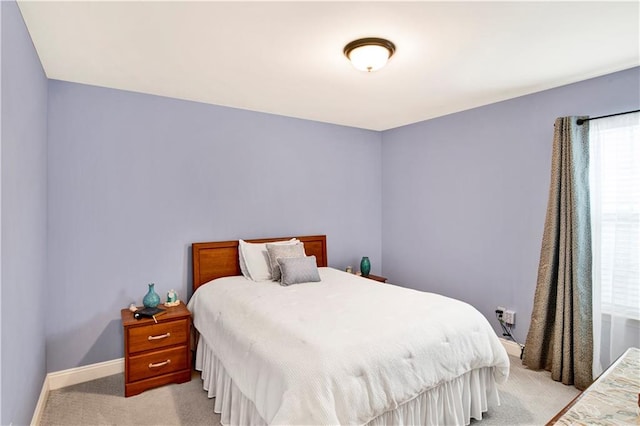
281	251
296	270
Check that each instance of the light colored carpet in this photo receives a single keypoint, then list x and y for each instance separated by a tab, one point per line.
528	398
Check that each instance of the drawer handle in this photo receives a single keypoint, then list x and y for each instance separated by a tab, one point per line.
162	336
160	364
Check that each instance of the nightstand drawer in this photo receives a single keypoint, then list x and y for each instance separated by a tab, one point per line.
159	335
158	363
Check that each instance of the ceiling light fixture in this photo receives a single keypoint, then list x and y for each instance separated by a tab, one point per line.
369	54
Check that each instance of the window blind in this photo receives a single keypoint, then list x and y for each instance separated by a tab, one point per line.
615	213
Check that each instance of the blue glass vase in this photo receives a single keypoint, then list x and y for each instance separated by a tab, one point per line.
151	299
365	266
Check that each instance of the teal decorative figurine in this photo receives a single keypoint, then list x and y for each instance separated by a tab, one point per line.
365	266
151	299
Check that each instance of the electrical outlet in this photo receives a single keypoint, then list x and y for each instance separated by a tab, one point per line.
500	312
509	317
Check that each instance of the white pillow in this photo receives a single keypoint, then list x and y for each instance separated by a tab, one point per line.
254	259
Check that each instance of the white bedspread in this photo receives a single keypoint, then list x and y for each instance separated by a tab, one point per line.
341	351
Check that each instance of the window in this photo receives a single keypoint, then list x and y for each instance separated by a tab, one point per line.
615	213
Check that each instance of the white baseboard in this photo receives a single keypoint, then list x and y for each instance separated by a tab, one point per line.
44	394
73	376
512	348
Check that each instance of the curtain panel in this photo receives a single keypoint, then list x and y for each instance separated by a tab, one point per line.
560	338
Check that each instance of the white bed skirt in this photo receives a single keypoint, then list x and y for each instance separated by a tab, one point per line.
450	403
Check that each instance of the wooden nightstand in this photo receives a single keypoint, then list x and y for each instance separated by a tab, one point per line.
156	354
376	278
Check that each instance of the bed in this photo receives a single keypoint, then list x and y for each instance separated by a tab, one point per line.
344	350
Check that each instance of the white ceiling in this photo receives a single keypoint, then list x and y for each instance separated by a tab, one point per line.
286	57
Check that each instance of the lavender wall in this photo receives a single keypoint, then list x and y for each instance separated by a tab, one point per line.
135	179
464	196
24	220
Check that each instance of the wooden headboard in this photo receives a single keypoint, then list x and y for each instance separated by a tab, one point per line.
220	259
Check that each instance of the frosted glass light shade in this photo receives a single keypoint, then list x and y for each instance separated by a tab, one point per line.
369	54
369	58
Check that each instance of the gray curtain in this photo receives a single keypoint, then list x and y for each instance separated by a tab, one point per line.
560	337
